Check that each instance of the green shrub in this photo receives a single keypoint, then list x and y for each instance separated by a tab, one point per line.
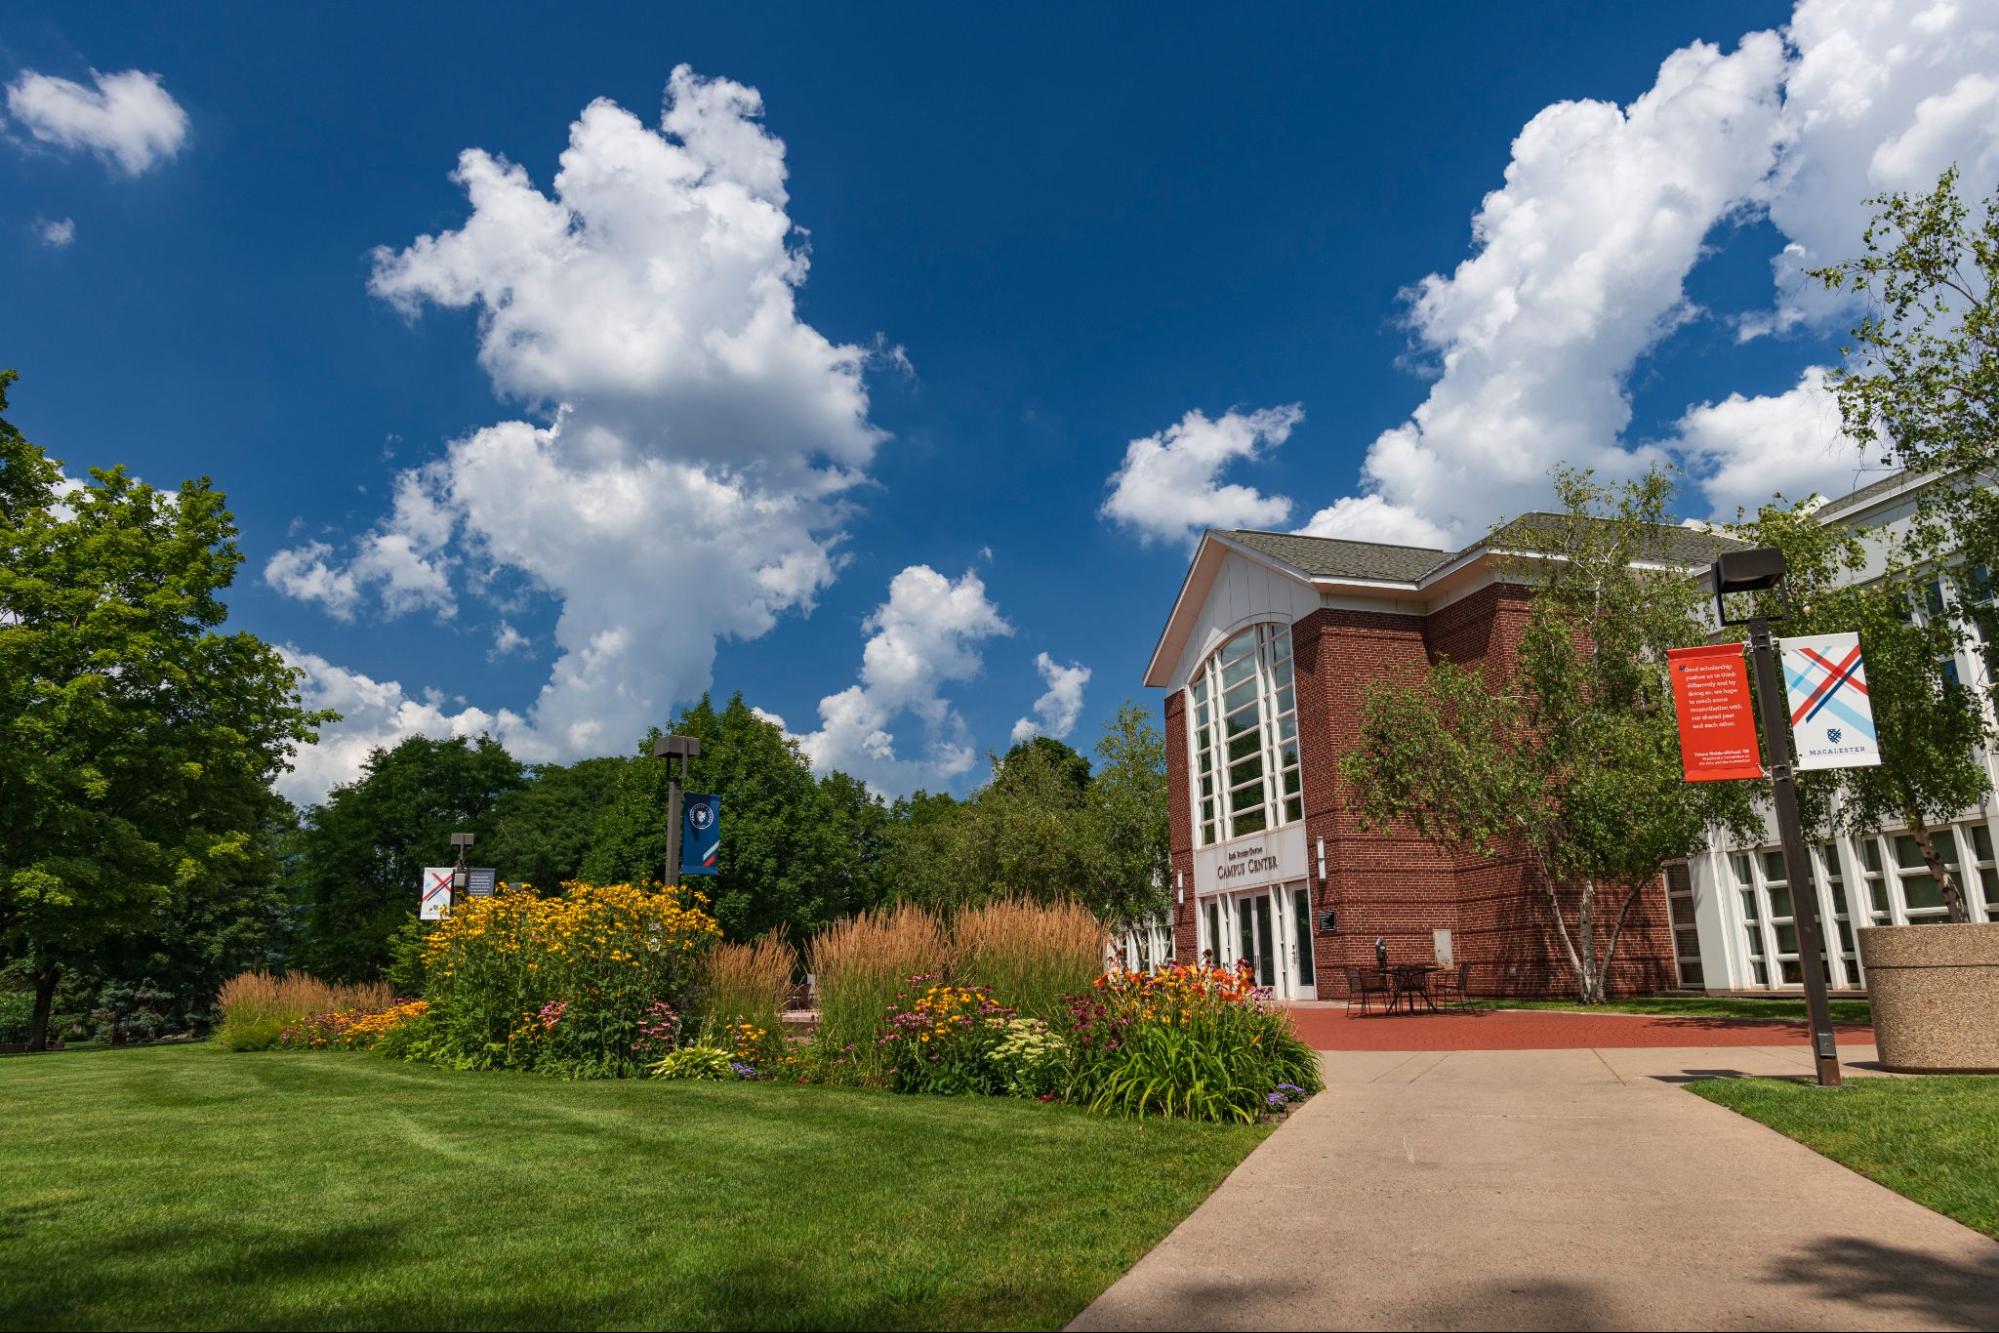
17	1012
559	985
1194	1043
1031	1060
696	1062
941	1039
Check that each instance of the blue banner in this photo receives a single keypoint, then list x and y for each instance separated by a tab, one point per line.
700	834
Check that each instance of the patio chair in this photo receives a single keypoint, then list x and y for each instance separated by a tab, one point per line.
1361	984
1453	988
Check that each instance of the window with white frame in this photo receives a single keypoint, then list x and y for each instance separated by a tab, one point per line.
1752	917
1842	920
1686	930
1244	706
1922	895
1988	868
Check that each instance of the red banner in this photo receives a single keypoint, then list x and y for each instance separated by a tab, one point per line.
1717	725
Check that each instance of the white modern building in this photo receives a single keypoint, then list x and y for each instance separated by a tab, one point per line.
1731	909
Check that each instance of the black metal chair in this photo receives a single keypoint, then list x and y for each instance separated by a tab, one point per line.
1362	983
1454	988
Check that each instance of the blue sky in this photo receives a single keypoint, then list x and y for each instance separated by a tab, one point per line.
1030	243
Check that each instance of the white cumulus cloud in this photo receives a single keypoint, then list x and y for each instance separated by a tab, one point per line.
127	119
374	714
1743	450
55	233
1056	711
927	635
690	482
1369	518
1169	487
1579	268
1579	260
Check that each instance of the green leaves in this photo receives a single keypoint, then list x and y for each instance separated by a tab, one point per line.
136	740
1567	751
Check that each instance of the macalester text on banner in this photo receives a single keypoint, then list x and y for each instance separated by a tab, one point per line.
1832	722
1711	702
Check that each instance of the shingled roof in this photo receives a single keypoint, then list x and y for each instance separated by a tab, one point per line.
1337	558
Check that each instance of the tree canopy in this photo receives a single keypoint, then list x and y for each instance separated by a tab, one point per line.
137	740
1568	753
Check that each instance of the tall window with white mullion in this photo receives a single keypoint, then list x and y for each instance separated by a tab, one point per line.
1752	917
1245	737
1842	921
1878	905
1782	916
1922	895
1987	867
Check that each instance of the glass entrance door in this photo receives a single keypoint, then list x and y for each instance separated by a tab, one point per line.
1270	930
1256	940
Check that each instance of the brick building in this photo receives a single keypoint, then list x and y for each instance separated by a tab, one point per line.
1264	659
1268	649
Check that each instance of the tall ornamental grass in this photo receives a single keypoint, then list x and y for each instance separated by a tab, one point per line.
257	1007
859	965
746	983
1031	954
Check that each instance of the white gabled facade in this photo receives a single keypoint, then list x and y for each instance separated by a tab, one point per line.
1732	914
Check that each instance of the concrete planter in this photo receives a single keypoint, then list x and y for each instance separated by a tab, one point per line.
1935	994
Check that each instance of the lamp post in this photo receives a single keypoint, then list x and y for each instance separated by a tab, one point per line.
684	748
461	876
1760	570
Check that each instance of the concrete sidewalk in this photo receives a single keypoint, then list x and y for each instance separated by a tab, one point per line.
1565	1189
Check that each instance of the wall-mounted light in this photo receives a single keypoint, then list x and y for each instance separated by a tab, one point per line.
1180	883
1322	862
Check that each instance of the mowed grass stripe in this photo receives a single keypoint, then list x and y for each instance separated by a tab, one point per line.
191	1187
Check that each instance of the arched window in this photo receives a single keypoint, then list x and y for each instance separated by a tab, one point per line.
1245	737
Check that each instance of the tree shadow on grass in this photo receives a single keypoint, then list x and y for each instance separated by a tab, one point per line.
330	1278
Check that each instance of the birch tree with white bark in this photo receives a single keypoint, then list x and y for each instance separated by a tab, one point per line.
1564	753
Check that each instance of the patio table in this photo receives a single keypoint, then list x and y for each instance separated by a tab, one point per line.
1412	980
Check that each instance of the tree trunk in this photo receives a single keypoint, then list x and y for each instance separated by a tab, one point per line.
1953	896
1562	931
45	998
1610	945
1590	978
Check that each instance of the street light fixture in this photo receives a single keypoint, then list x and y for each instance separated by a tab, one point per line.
461	878
682	748
1762	569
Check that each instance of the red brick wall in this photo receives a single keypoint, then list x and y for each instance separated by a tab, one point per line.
1390	883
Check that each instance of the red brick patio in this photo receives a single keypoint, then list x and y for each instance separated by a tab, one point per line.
1327	1027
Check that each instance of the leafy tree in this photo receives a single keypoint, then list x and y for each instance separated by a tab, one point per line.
1929	725
137	741
364	850
1071	767
542	829
1044	827
788	842
860	828
1569	753
1921	382
1127	818
1023	834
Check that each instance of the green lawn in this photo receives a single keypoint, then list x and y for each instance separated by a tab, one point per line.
1696	1006
1933	1139
192	1187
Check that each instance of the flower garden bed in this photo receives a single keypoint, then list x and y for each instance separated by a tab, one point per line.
625	981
